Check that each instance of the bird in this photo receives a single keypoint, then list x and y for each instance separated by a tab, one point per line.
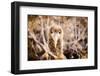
55	41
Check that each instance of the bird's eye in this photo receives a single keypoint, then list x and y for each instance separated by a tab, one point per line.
59	32
51	32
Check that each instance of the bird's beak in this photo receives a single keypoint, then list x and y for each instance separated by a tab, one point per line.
55	41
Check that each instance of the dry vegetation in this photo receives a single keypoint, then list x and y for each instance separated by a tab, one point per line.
57	37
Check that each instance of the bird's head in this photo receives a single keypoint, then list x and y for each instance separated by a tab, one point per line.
56	33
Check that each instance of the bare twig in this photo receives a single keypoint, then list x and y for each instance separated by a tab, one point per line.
44	47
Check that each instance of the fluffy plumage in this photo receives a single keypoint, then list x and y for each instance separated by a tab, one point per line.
55	41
